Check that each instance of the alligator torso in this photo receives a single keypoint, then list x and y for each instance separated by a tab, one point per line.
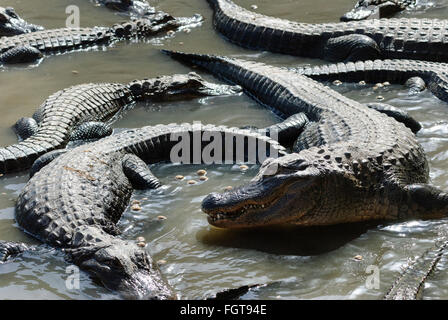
352	163
419	39
75	201
79	113
30	47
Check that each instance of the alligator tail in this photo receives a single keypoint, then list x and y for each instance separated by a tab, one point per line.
21	156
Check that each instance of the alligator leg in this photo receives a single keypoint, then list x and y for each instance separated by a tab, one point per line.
25	128
45	159
397	114
426	201
285	132
21	54
351	47
91	131
8	249
138	173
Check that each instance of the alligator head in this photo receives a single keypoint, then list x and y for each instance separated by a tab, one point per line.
179	86
294	189
119	265
11	24
284	191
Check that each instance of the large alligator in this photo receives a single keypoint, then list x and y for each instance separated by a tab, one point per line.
131	7
351	163
11	24
377	9
76	199
80	113
31	47
417	39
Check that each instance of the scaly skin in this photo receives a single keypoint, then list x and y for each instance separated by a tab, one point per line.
63	113
417	39
11	24
31	47
375	9
410	284
434	74
76	200
351	163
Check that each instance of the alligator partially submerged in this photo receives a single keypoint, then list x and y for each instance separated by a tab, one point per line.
417	39
75	201
131	7
30	47
81	112
11	24
351	163
377	9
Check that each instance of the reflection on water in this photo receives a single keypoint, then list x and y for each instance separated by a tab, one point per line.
308	263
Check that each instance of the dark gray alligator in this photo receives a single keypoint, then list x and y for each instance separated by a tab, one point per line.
131	7
417	39
11	24
376	9
410	284
351	163
30	47
75	201
80	113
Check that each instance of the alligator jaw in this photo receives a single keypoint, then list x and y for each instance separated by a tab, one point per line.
240	208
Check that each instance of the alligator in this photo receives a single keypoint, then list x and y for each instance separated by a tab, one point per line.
416	39
81	112
377	9
74	201
410	284
131	7
350	163
11	24
31	47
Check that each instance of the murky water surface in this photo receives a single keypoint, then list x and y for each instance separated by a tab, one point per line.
316	263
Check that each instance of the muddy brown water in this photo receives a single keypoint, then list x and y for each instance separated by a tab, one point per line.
316	263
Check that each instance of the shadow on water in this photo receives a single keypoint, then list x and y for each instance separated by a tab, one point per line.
301	241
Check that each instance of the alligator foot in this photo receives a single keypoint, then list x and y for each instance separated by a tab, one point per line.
21	54
91	131
397	114
136	170
415	85
25	128
351	47
11	24
8	249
